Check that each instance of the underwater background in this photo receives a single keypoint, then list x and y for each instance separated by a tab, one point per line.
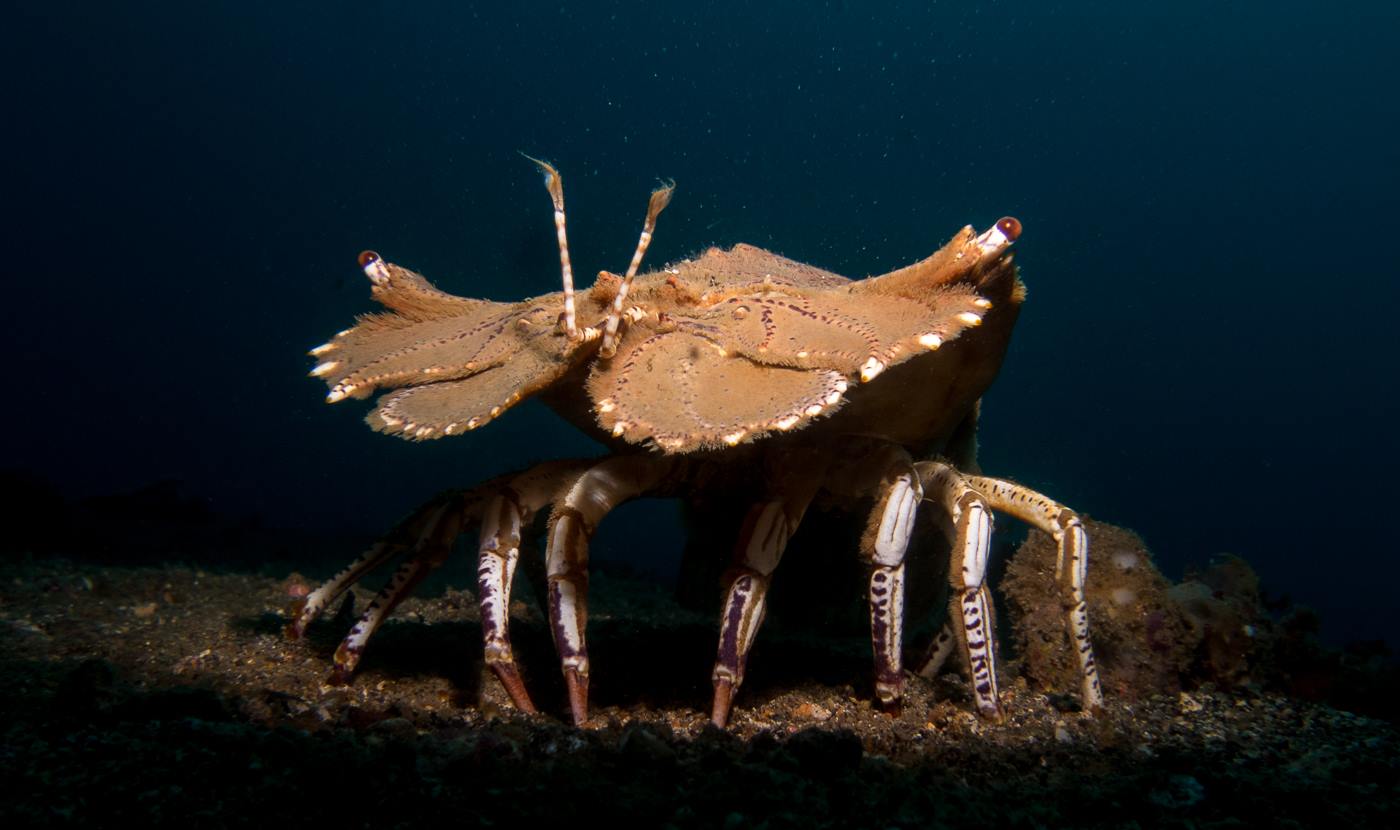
1208	190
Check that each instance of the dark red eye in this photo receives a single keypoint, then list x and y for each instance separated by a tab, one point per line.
368	257
1011	226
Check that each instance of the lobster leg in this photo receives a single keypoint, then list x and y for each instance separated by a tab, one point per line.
765	533
502	506
938	651
884	545
971	518
514	506
1071	564
431	551
593	495
968	500
760	545
407	535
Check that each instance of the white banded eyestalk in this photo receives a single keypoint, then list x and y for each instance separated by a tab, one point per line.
554	183
374	268
660	198
999	236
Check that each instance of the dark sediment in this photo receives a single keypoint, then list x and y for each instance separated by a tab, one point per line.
164	695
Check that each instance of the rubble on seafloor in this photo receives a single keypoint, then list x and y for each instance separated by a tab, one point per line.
169	695
1151	636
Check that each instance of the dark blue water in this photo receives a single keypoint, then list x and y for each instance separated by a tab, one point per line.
1208	190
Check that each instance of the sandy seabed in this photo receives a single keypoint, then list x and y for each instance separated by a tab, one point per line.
171	695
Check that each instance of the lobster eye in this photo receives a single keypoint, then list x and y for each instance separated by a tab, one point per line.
1011	226
369	257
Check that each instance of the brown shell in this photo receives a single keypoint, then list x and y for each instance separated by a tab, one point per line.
722	349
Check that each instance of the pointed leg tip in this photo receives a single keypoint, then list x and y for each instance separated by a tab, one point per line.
723	703
893	707
345	661
991	714
296	613
578	695
514	685
889	696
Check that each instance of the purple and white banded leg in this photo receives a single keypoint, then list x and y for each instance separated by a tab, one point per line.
427	536
576	515
884	545
945	642
510	509
794	478
1071	565
405	536
971	519
968	500
889	471
762	539
438	531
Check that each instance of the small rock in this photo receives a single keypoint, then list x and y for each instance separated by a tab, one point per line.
27	627
295	585
1188	704
811	711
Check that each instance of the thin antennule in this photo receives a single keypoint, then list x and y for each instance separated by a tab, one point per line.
555	183
660	198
